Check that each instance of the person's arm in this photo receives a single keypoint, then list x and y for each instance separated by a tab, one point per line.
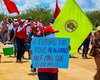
69	47
4	25
26	25
13	37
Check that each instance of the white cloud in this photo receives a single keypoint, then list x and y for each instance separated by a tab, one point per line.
97	2
83	3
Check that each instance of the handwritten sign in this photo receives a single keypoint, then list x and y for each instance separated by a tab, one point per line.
50	52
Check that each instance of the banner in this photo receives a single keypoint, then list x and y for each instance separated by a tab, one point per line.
73	23
50	52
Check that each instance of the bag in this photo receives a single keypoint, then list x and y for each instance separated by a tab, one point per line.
93	52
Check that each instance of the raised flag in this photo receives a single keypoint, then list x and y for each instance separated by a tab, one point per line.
73	23
11	7
57	10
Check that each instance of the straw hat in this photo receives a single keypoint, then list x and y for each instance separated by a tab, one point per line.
98	28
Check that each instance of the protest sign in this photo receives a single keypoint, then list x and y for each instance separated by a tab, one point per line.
50	52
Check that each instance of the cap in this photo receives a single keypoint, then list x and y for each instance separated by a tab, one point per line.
33	26
20	21
50	29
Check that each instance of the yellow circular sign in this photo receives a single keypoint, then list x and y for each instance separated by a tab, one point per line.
71	25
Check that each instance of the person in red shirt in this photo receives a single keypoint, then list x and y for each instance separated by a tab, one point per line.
21	38
48	73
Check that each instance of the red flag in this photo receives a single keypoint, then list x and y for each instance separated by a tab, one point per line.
57	10
11	6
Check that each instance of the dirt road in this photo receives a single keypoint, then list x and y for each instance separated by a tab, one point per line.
79	69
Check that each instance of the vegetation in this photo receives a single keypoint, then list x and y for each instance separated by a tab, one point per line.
37	13
94	17
1	16
46	14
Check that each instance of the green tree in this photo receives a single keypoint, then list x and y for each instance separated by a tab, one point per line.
94	17
37	13
1	16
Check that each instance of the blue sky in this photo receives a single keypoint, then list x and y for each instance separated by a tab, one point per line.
86	5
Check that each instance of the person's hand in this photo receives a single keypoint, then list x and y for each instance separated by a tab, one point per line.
30	52
12	41
4	19
99	50
69	47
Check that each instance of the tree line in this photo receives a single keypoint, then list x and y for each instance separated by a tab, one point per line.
47	14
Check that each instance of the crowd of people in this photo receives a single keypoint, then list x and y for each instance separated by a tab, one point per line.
20	33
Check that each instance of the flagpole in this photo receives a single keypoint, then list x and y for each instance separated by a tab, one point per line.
2	6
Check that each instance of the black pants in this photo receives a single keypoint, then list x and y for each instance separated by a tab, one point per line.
47	76
20	48
85	47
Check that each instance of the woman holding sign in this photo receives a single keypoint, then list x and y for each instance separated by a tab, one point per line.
48	73
46	64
